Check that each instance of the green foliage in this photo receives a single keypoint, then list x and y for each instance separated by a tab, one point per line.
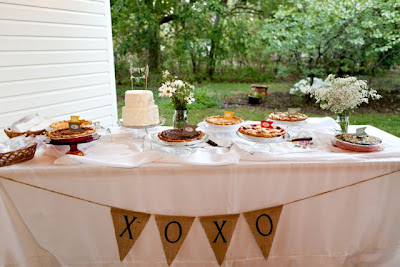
341	37
255	40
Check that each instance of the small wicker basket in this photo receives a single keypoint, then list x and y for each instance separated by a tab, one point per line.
17	156
11	134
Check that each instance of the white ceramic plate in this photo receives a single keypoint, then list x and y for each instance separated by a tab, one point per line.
263	139
154	138
289	123
208	127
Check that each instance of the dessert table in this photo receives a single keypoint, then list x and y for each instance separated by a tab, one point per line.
340	208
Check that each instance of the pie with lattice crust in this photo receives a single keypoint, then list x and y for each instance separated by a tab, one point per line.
64	124
176	136
67	133
220	120
283	116
257	131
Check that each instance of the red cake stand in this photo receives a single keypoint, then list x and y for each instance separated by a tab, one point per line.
73	143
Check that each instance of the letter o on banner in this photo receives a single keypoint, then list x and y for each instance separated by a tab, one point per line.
166	232
263	224
258	226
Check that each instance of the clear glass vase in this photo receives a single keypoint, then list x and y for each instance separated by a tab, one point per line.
180	118
343	121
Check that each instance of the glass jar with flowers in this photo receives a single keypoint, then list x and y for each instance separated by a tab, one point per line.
181	95
341	96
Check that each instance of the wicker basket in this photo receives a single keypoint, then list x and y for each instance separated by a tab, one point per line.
11	134
17	156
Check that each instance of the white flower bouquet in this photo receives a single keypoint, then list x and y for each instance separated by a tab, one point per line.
180	92
342	95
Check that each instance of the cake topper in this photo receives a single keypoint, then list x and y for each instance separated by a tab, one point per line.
267	124
189	130
228	115
144	71
293	111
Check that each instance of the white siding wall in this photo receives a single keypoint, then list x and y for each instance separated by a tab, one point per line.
56	59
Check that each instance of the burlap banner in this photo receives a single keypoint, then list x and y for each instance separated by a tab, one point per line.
219	230
263	224
173	231
127	227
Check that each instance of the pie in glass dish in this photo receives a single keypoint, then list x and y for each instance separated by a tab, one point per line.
284	116
221	120
68	134
177	136
257	131
65	125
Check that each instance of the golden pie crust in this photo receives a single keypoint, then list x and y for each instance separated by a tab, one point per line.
175	136
64	124
257	131
283	116
220	120
67	134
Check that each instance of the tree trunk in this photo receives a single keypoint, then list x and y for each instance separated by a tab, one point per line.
211	60
154	47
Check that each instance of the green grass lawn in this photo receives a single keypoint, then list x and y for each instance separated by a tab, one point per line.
210	95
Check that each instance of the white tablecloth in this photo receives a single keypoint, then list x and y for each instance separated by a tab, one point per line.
357	225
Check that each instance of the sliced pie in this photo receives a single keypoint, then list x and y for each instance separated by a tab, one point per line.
220	120
284	116
67	133
257	131
176	135
64	124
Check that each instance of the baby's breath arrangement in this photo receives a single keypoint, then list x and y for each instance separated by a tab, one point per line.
180	92
342	95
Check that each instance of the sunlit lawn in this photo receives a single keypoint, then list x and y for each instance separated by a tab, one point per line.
210	106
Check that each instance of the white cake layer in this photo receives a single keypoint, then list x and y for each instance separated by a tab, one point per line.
140	116
138	98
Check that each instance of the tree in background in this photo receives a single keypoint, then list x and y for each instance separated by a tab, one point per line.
256	40
342	37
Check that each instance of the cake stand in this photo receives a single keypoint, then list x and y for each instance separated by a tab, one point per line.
73	143
144	129
262	141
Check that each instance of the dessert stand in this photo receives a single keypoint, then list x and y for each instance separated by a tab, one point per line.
73	143
292	127
140	132
178	148
262	142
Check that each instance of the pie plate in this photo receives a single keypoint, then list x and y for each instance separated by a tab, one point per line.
356	147
73	139
219	128
289	123
263	140
155	139
81	139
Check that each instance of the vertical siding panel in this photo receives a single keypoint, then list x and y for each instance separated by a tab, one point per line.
56	58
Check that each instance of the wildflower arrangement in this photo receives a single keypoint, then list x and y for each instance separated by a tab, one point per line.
180	92
342	95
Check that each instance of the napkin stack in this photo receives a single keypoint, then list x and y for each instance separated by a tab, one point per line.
32	123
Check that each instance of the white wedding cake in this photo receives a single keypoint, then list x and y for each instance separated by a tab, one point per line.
139	109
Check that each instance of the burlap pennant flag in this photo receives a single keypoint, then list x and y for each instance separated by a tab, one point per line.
219	230
127	225
173	231
263	224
